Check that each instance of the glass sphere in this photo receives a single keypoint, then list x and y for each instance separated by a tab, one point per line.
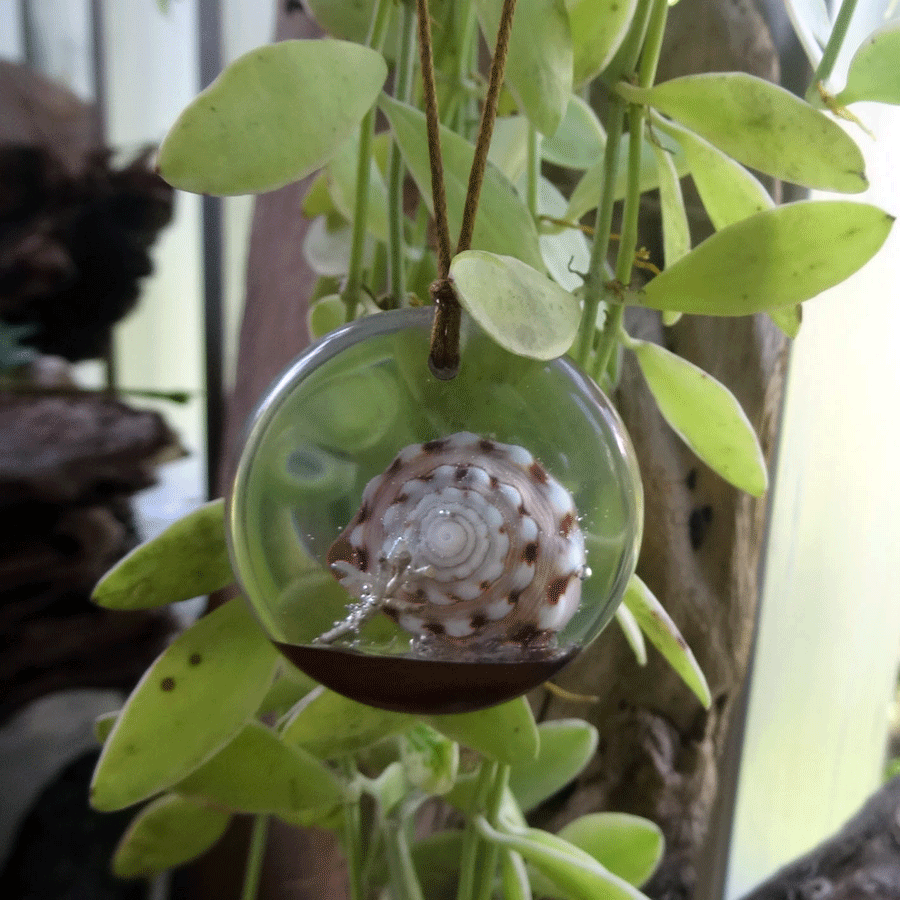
346	419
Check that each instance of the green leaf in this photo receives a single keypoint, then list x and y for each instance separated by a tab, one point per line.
193	700
317	200
788	319
586	195
503	225
103	725
565	250
629	846
514	876
579	141
705	415
507	732
430	760
566	747
538	72
874	73
166	833
598	28
762	126
633	633
348	21
328	725
663	633
676	229
325	315
520	308
342	181
189	559
773	259
575	873
728	191
273	116
509	146
257	772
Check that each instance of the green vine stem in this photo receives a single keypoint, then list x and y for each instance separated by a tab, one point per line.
255	855
471	841
533	172
350	294
404	882
657	13
832	49
353	833
406	58
492	851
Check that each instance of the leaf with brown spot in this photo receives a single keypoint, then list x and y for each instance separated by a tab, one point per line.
663	633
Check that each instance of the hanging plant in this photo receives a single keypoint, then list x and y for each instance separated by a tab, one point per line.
437	507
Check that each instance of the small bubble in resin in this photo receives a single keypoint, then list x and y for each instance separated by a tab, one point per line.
433	546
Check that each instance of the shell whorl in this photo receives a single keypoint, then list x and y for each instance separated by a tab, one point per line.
467	540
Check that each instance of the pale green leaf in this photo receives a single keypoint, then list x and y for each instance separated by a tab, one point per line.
566	252
579	141
341	174
575	873
167	833
663	633
538	72
287	690
586	195
627	845
773	259
632	632
328	725
273	116
258	772
503	224
520	308
705	415
675	226
188	559
762	126
875	69
194	699
317	199
598	28
509	146
430	760
325	315
507	732
566	747
103	725
514	876
788	319
728	191
349	21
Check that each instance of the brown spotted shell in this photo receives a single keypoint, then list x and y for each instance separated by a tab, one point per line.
467	540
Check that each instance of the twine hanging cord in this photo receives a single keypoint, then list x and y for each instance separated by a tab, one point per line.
443	359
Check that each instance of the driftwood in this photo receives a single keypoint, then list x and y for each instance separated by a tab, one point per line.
860	862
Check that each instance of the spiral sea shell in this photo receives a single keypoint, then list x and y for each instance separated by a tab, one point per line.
465	541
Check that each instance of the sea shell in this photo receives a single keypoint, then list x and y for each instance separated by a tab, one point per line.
464	541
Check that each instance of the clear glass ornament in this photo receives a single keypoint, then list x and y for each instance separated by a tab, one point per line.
336	421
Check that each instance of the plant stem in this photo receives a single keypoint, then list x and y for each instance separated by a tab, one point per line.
596	276
404	881
255	854
471	841
350	294
533	172
402	91
492	851
832	49
353	835
656	14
